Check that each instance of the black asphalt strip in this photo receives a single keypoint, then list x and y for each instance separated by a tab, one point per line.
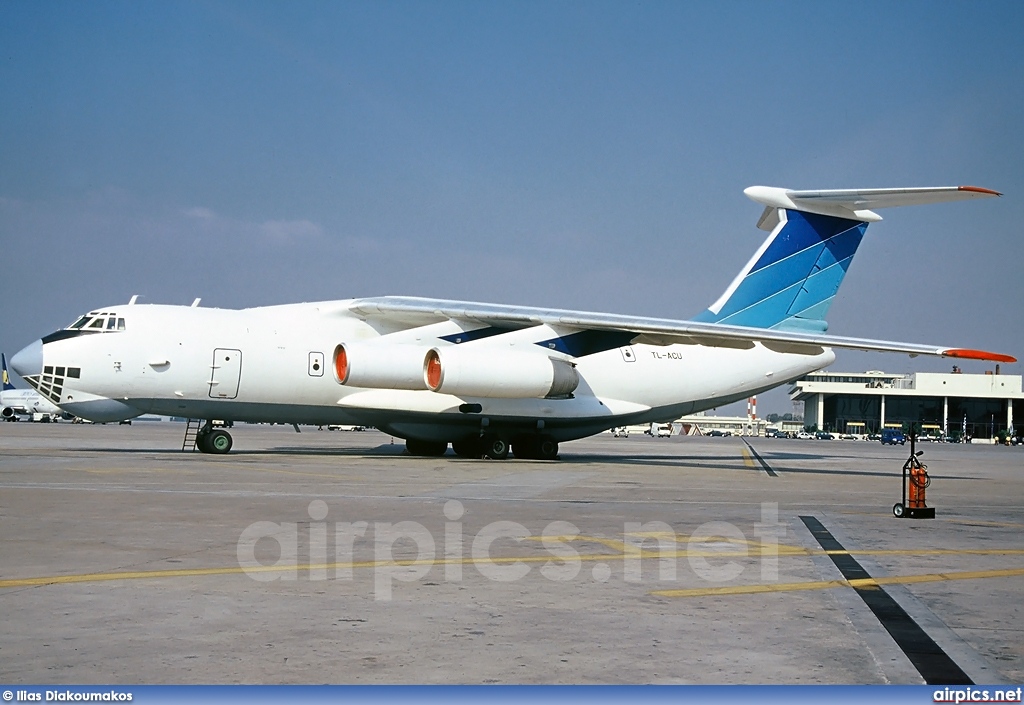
930	661
758	458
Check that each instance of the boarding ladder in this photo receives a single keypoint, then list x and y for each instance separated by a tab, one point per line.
192	428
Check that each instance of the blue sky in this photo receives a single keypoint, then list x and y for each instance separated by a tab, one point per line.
586	155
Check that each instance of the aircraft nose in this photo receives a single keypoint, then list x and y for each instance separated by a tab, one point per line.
29	360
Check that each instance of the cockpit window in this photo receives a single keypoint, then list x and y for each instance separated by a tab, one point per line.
98	322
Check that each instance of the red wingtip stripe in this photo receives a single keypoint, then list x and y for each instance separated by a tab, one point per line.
978	355
979	189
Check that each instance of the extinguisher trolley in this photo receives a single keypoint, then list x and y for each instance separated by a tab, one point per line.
915	482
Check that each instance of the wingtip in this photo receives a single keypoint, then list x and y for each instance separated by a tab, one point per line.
978	355
980	190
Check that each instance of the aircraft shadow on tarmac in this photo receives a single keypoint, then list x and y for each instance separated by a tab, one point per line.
397	451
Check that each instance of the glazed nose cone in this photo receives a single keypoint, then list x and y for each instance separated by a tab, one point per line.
29	360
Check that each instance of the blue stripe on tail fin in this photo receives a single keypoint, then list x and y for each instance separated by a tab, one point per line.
791	280
6	378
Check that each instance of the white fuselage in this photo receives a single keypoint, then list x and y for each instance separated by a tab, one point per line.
276	364
25	401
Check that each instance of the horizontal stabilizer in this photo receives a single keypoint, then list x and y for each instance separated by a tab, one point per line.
857	204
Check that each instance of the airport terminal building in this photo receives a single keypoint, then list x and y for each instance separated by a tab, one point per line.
957	405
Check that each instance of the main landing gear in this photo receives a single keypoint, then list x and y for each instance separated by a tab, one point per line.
491	447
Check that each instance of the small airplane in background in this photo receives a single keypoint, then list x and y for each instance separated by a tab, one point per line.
24	402
482	377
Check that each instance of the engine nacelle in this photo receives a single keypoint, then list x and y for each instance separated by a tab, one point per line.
8	412
379	366
497	373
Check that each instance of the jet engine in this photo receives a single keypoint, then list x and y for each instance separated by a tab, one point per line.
379	366
496	373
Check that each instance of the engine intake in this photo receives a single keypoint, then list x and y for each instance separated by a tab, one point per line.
498	374
379	366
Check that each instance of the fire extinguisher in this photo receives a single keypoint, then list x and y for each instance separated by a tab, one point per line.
915	481
919	481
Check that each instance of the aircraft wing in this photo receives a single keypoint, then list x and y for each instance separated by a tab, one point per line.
653	331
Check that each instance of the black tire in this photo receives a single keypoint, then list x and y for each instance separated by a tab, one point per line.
201	439
218	442
898	510
430	449
469	448
496	448
525	447
547	448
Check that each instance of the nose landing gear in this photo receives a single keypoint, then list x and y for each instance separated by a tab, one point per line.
206	438
217	442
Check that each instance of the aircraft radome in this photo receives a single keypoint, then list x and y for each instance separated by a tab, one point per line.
482	377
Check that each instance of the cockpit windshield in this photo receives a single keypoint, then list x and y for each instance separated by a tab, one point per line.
99	321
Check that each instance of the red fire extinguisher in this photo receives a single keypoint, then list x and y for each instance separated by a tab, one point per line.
915	481
919	480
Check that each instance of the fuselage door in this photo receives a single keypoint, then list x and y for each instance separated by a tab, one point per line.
225	373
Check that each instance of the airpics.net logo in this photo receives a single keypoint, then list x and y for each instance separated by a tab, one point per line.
502	551
977	695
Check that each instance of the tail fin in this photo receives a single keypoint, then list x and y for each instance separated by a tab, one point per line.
6	378
793	277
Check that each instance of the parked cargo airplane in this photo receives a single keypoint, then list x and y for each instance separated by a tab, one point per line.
482	376
16	402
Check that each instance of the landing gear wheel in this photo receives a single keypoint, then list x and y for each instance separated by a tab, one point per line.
535	448
218	442
471	448
898	510
430	449
525	448
547	449
496	448
201	442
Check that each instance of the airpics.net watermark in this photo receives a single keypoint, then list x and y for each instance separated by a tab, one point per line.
712	550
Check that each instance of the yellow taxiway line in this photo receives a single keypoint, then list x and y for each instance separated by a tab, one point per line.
830	584
622	551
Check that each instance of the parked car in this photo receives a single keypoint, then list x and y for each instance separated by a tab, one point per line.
776	433
824	436
804	436
892	436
